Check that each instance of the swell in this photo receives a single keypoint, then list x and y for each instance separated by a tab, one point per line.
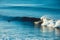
23	19
30	8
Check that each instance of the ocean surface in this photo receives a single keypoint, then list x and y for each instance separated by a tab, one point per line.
24	30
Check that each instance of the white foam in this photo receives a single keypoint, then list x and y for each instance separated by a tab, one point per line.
50	22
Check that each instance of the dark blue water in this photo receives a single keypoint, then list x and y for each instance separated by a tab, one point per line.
24	30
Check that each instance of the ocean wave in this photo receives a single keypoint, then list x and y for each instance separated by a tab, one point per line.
50	22
54	17
29	5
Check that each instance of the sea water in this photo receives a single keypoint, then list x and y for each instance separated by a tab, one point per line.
20	30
